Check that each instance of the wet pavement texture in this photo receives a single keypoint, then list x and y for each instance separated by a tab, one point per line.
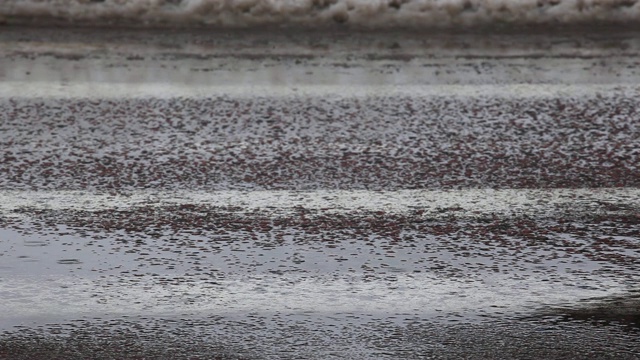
305	337
362	222
305	143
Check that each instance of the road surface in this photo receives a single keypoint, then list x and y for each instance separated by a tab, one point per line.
319	195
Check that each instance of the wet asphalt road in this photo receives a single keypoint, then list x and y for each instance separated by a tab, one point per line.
267	196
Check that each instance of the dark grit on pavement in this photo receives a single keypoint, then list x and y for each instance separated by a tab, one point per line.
303	143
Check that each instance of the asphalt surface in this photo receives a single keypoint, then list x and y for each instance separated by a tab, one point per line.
269	196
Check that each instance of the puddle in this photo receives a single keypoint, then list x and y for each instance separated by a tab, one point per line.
57	252
447	271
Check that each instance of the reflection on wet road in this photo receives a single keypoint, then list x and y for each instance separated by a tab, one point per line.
306	269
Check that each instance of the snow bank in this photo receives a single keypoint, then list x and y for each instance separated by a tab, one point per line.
320	13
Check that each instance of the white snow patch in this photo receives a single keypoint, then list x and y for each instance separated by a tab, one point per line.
469	202
93	90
